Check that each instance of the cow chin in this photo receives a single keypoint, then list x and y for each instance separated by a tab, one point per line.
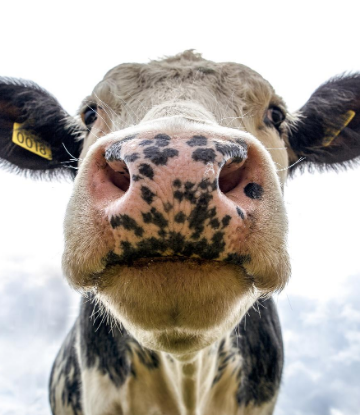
174	305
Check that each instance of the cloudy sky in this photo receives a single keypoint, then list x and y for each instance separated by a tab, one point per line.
67	47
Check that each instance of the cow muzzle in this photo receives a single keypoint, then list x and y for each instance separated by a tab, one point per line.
189	214
202	192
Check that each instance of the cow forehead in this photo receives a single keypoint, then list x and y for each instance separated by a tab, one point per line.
228	94
230	91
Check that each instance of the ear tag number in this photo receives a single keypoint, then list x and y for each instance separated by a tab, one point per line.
332	134
30	142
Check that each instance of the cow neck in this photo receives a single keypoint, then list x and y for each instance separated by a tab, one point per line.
194	381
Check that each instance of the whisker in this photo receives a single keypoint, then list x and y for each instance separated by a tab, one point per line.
73	157
109	112
296	162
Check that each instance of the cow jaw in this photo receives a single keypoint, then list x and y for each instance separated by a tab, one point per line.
176	305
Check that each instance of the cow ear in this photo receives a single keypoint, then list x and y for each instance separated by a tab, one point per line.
326	130
36	133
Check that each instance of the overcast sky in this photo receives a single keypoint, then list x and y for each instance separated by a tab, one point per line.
67	47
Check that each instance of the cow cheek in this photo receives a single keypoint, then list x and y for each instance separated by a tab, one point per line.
88	238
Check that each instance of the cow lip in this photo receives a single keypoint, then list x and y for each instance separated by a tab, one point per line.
112	270
141	262
113	259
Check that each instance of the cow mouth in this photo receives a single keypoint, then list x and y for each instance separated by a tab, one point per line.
115	265
113	259
164	267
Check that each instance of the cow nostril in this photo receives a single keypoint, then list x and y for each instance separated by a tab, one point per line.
231	175
118	173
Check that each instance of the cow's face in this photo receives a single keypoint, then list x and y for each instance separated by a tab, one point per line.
177	221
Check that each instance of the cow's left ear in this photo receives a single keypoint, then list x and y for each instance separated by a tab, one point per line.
36	133
326	130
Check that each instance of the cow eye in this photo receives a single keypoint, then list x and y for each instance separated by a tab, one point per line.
90	115
275	116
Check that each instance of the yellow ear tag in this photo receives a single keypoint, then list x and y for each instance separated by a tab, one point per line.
332	134
30	142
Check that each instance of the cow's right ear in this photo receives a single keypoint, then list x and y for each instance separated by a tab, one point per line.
326	133
36	133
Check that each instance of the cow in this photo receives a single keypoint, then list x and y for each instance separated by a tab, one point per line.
176	230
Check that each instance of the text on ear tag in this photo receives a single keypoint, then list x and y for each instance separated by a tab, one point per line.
30	142
332	134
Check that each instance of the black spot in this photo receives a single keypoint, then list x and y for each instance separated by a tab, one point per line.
237	259
200	214
146	248
225	221
176	241
114	151
242	143
254	191
146	170
162	140
147	217
147	143
197	140
178	195
131	158
259	342
206	184
167	207
159	157
111	259
218	238
107	350
204	249
67	368
155	217
147	194
205	155
177	183
189	185
240	212
136	177
148	358
214	223
224	356
190	195
126	222
180	217
212	212
232	151
198	232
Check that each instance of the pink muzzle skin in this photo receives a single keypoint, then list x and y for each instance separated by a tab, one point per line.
188	196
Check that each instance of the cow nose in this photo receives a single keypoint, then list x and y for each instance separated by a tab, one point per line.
183	195
215	161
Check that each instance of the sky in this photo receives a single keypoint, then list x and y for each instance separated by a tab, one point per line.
67	47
